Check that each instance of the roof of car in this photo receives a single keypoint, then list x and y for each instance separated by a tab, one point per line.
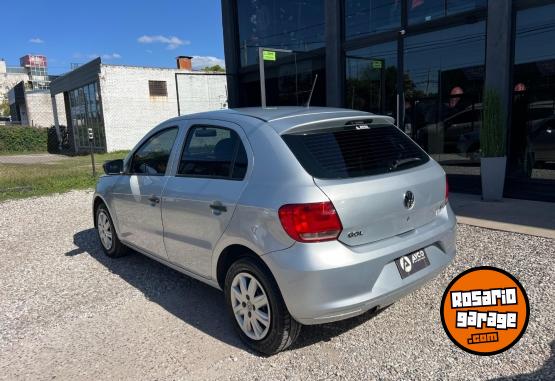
283	118
270	114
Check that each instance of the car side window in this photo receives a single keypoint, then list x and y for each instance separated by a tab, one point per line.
153	156
213	152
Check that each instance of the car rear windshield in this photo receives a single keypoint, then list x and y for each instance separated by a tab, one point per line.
355	150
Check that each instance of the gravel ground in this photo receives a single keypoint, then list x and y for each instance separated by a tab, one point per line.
67	311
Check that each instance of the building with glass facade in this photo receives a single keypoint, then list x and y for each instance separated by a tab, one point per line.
424	62
120	104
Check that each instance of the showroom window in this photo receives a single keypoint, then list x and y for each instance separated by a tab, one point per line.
281	24
365	17
288	81
532	134
443	95
371	78
427	10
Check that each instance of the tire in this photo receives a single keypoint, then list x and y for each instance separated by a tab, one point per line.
282	330
114	248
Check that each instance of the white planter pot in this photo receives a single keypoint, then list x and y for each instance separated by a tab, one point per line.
493	177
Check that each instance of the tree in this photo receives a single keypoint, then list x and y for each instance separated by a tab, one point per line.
4	108
217	68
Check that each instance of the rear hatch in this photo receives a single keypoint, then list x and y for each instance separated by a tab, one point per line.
381	183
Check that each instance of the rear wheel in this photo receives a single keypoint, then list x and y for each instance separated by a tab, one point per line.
109	240
256	307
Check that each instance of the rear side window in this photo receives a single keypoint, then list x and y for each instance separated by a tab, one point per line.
213	152
355	151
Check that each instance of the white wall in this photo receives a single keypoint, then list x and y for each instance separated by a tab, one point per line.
39	111
129	110
8	81
201	92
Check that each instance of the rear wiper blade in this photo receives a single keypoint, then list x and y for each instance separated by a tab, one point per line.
403	162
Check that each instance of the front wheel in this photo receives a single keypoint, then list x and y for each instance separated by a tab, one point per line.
256	307
107	233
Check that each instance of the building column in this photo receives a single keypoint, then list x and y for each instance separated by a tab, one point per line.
498	76
56	121
335	70
231	51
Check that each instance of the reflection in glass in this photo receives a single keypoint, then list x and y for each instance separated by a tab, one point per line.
289	80
285	24
427	10
364	17
371	75
443	94
532	135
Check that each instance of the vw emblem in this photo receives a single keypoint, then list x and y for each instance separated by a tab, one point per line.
409	200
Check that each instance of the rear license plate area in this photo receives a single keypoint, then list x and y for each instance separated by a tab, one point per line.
412	263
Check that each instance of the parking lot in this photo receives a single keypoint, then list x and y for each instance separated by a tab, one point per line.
67	312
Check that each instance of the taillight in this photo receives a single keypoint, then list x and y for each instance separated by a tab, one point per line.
446	189
315	222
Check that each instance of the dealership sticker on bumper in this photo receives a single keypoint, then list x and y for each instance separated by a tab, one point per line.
411	263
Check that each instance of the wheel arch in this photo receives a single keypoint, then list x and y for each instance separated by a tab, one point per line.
230	255
97	201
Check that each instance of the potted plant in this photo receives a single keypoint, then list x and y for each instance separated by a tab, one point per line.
493	161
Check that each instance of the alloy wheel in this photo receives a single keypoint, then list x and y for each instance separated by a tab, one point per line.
104	230
250	306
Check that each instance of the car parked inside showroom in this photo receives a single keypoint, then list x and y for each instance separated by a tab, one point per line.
300	215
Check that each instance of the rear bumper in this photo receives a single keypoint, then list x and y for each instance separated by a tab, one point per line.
329	281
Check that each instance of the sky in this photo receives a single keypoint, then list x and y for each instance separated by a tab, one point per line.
131	32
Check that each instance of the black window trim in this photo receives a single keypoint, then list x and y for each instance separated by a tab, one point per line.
128	169
232	166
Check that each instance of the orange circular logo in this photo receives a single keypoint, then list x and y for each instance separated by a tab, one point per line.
485	310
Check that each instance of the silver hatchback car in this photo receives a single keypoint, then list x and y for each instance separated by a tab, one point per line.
300	215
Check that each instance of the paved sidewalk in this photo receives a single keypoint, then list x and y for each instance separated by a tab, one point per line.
519	216
38	158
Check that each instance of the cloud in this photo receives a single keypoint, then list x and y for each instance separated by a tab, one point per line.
171	42
109	56
200	62
36	40
113	56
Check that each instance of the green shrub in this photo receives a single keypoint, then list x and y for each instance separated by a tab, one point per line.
492	133
15	139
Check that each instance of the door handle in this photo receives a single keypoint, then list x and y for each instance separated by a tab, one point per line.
154	199
217	206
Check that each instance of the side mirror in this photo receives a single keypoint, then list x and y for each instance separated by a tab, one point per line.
113	167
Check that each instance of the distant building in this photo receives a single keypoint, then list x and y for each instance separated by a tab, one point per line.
33	107
26	89
121	103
